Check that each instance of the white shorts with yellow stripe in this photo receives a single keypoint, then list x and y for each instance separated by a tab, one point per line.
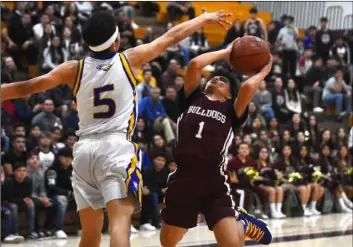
106	167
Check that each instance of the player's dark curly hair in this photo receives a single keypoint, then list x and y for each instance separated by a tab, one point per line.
99	28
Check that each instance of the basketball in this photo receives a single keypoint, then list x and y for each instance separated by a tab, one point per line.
249	55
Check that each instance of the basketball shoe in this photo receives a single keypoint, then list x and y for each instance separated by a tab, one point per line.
254	228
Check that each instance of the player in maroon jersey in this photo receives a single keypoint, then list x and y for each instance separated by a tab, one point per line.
201	184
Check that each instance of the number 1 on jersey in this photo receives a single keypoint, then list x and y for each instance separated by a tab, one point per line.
199	133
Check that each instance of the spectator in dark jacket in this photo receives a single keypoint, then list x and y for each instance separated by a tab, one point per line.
236	31
176	9
142	134
9	218
171	105
324	40
313	134
58	183
70	119
25	111
340	50
23	36
70	139
278	101
17	192
155	184
8	70
33	138
296	125
168	77
16	154
314	81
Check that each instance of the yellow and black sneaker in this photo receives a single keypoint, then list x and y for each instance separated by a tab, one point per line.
254	228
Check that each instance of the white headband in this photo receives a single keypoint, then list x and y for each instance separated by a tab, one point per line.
107	43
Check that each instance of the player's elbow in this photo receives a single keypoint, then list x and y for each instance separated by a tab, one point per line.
195	63
248	88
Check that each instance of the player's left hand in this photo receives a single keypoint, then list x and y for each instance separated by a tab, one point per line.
218	17
229	50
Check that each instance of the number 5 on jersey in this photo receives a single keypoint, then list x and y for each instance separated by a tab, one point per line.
98	101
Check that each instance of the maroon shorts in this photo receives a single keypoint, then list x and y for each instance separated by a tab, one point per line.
188	195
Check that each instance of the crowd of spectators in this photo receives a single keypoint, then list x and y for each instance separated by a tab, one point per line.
279	151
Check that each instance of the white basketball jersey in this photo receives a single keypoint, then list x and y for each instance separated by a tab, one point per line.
106	96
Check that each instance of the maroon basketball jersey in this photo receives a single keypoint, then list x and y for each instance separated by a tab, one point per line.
205	132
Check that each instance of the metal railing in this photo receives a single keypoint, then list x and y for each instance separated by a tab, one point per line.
308	13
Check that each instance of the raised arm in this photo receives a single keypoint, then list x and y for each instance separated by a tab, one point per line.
142	54
248	89
63	74
193	72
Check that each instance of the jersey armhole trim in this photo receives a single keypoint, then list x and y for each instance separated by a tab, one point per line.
77	83
133	82
128	70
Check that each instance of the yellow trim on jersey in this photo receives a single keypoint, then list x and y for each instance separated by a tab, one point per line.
133	168
139	175
78	77
132	120
133	83
128	70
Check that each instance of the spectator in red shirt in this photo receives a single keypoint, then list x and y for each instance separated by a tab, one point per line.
305	62
236	168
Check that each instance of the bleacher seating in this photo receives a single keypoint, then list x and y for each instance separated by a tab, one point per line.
216	35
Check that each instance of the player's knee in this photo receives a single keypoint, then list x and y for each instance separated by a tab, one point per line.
271	191
169	241
170	236
229	242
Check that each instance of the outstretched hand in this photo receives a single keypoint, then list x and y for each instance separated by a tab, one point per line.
218	17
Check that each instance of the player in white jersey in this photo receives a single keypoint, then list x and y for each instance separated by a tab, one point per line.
106	164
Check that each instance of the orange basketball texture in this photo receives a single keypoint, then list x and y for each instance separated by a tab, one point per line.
249	55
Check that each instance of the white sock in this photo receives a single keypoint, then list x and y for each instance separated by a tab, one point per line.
279	207
304	207
313	205
348	202
273	208
341	202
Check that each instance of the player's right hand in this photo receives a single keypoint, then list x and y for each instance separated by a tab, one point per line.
218	17
267	69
